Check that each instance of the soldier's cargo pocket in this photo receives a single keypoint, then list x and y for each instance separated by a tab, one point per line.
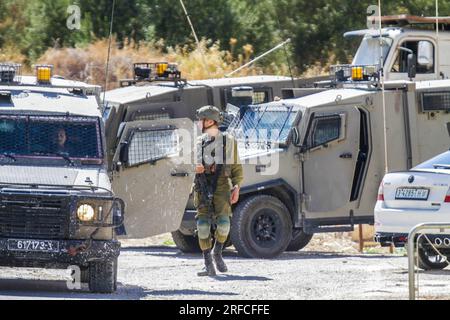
222	204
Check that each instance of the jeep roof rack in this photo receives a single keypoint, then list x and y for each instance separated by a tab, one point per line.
408	20
154	72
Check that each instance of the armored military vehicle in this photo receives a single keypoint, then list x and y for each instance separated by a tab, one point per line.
57	208
319	166
157	91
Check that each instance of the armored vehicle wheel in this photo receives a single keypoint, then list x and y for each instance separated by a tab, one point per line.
103	276
430	260
299	241
261	227
187	244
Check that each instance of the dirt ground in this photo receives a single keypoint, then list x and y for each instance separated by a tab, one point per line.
329	268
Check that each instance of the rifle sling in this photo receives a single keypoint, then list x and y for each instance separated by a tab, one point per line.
219	167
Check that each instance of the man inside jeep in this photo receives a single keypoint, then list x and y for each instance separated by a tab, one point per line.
60	141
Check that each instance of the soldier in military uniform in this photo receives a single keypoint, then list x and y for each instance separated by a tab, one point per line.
218	161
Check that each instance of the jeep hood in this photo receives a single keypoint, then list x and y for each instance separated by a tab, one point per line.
51	176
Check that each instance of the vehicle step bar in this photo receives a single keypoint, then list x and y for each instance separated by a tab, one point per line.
325	229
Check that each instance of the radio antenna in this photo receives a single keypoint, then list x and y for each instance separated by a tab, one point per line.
288	59
259	57
109	50
195	37
437	36
385	128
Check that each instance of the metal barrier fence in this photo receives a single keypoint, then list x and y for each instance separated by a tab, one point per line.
411	252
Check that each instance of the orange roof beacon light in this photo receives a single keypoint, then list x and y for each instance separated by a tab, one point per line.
44	73
153	71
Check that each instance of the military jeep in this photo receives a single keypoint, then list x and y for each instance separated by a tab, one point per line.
57	208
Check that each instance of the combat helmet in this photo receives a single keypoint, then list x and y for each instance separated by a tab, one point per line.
211	113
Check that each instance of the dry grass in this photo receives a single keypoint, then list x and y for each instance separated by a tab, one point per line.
12	54
89	63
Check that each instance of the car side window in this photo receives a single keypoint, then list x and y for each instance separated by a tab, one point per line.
325	129
424	52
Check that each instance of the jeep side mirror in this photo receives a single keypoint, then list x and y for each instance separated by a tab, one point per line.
412	65
425	54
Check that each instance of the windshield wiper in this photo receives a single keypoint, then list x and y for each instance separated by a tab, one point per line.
445	166
61	154
9	156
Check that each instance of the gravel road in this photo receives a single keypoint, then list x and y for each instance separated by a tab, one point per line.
162	272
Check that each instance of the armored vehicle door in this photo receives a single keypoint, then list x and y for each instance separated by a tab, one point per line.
332	144
153	176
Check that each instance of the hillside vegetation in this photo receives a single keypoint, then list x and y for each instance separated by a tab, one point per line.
233	32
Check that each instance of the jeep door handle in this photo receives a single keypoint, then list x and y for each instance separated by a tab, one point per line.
347	155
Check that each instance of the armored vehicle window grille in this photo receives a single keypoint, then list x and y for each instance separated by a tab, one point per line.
260	97
35	217
149	146
326	129
435	101
263	127
35	137
152	116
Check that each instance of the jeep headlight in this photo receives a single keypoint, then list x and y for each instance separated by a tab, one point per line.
86	212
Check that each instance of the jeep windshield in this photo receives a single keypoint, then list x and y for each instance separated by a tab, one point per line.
369	51
64	138
264	126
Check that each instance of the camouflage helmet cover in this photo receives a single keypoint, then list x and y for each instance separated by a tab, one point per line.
211	113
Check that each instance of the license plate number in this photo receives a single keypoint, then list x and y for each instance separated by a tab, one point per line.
412	194
33	245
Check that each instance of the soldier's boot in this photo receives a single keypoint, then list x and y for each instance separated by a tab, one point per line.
209	270
218	259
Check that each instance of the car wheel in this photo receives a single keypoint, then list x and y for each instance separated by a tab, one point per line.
261	227
299	241
187	244
430	260
103	276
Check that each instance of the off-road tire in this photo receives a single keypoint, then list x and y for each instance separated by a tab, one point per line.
299	241
426	264
103	276
186	244
245	222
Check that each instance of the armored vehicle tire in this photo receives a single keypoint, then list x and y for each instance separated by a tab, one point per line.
261	227
299	241
430	260
187	244
103	276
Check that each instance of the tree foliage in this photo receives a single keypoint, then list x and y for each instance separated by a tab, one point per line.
250	26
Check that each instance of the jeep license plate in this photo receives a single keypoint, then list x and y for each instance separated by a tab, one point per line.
412	194
33	245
